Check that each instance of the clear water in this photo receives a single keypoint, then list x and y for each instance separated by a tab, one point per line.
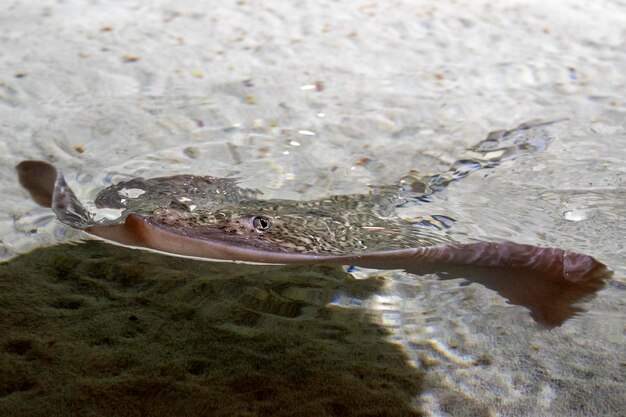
329	98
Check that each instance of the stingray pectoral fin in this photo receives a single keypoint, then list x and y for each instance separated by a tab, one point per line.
140	231
38	178
125	233
547	281
67	207
48	188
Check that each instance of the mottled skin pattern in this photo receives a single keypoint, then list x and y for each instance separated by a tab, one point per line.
336	225
202	205
183	191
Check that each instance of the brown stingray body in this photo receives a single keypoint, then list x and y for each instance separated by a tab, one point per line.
545	280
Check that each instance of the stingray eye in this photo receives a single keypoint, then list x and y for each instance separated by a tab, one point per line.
261	223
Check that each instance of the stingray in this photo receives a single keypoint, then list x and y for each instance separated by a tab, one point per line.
213	218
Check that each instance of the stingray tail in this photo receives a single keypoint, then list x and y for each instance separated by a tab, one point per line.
48	188
499	146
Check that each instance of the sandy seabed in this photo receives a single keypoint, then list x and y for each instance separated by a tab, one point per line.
301	100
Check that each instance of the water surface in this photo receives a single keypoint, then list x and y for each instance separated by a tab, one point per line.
330	98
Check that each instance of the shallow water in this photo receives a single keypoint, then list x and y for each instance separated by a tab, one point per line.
329	98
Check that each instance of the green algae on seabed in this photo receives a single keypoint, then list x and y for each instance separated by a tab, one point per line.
94	329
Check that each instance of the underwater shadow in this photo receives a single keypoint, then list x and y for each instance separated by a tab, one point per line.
96	329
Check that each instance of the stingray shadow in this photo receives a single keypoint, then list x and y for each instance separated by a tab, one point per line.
104	330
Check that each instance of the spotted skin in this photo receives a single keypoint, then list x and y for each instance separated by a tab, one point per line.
328	226
336	225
